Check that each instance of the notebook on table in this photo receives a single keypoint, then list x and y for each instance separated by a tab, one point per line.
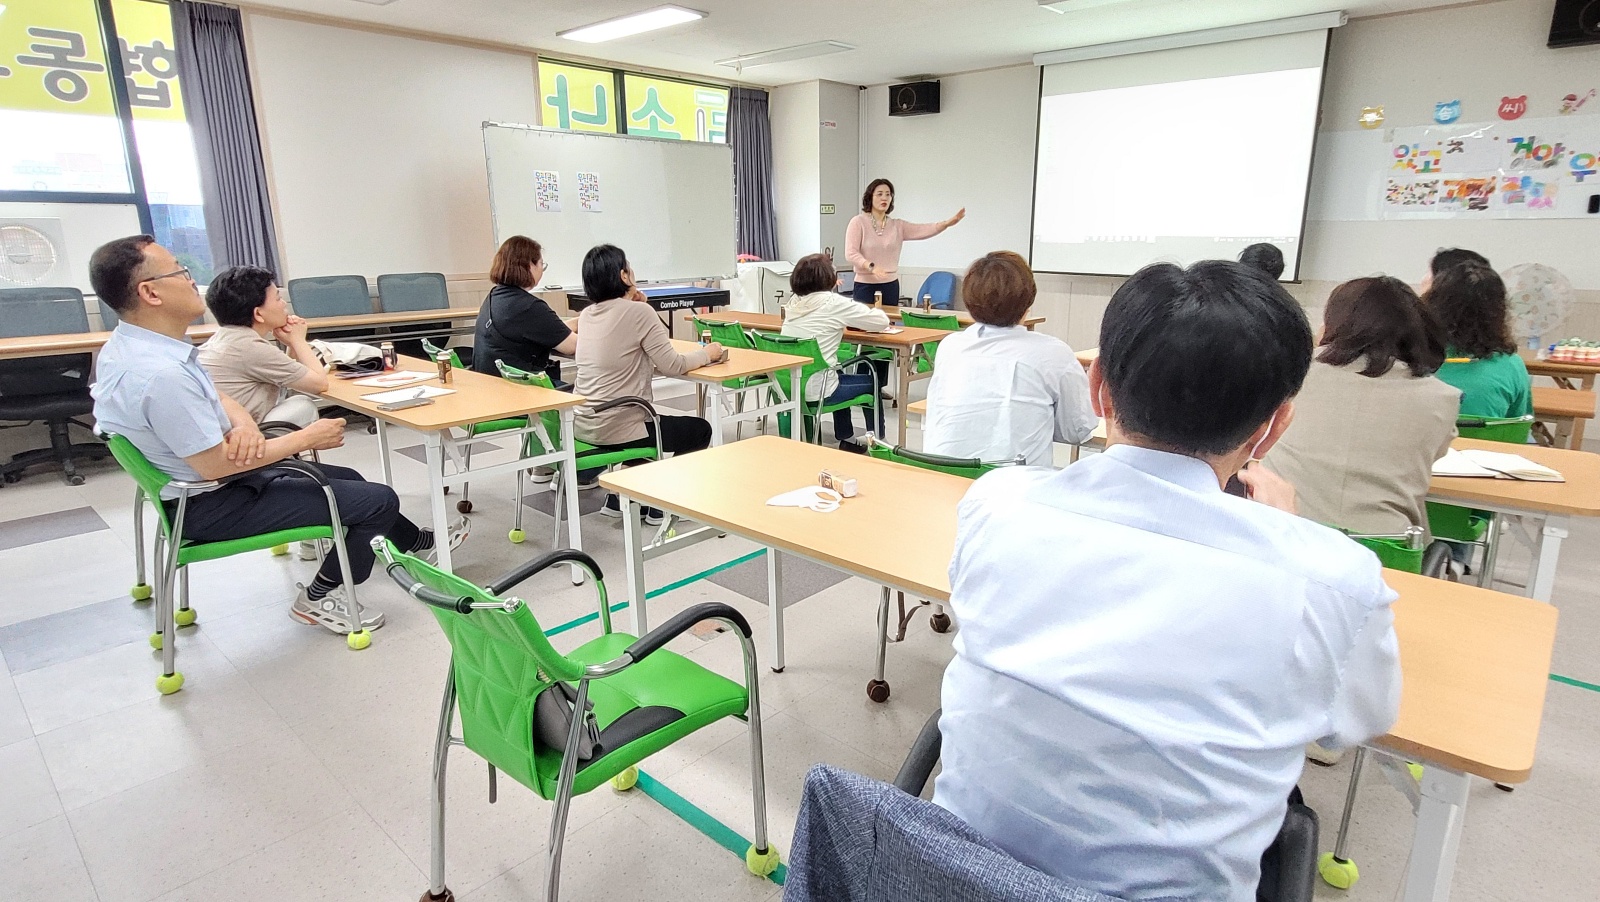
1493	465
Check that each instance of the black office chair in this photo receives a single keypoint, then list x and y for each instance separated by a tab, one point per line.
1288	867
52	389
406	292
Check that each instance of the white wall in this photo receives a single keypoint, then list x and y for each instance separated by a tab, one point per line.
795	111
374	145
840	163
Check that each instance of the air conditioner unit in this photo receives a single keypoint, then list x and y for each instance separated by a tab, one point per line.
33	253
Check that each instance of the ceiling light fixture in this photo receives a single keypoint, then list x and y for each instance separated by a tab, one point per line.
632	24
376	2
786	54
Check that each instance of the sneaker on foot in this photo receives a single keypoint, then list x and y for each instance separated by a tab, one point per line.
311	550
587	481
542	474
1325	757
458	534
327	611
852	446
654	516
613	506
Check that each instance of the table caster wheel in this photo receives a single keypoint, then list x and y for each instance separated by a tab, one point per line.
940	623
464	506
1337	873
878	690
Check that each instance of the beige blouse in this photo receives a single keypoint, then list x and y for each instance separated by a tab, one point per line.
1361	449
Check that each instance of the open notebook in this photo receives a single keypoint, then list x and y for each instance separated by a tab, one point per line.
1493	465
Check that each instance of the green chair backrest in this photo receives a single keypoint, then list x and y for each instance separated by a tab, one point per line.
917	319
433	351
550	418
955	466
729	335
1514	430
145	475
799	347
501	660
1395	554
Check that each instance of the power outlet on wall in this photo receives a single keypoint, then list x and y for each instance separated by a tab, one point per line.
827	209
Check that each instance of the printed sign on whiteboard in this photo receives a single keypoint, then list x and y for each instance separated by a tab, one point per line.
547	191
589	192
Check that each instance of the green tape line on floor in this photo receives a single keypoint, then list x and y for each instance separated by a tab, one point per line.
715	830
1572	682
621	605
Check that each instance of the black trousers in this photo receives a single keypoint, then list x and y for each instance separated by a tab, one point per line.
679	435
271	500
863	292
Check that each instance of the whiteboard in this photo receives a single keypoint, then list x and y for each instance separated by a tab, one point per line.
668	204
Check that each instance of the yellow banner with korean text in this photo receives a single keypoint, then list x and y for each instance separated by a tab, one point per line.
577	98
52	58
680	110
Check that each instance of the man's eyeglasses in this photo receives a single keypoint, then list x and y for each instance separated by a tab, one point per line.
179	272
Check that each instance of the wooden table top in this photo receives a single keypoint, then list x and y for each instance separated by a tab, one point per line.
1539	367
741	362
1551	401
728	486
1578	496
1476	664
78	342
962	316
477	398
908	336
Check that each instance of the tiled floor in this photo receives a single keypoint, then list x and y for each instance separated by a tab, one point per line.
292	768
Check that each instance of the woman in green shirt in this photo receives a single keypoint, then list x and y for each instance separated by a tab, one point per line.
1470	301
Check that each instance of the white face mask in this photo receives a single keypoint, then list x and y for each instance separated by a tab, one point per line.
1255	453
814	497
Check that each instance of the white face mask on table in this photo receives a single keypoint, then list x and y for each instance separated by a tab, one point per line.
813	497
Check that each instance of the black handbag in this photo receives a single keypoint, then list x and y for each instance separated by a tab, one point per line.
552	720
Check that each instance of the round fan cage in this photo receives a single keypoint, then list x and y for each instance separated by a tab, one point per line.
26	255
1539	298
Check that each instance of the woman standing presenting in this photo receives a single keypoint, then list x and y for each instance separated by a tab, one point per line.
872	242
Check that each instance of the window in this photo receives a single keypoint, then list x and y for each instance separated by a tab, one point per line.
66	128
583	98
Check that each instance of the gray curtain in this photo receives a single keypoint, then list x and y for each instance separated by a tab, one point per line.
750	134
216	92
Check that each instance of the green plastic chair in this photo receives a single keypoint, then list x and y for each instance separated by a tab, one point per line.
928	351
474	430
640	698
547	437
808	347
939	621
732	335
173	557
1464	525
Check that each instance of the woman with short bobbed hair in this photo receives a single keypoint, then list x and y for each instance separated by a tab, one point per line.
1371	417
816	310
999	390
514	324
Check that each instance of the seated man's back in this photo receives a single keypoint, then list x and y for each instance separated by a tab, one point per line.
1142	657
1173	666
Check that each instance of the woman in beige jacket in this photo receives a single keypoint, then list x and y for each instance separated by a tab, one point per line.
1371	418
624	345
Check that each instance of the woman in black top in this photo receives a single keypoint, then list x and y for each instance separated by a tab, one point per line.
515	325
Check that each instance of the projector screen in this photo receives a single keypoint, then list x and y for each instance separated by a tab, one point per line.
1176	155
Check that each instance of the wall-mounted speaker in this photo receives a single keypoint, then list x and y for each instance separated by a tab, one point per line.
917	98
1575	22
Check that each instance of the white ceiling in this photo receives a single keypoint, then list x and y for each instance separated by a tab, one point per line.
895	38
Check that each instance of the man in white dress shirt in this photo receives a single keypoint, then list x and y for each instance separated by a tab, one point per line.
999	390
1143	657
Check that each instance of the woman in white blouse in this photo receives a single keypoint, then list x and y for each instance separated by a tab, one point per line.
1000	390
817	311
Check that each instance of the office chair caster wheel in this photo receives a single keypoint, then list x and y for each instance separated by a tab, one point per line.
155	641
878	690
185	617
940	623
1337	873
464	506
446	896
372	428
358	640
517	536
626	780
167	684
280	550
141	592
762	862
